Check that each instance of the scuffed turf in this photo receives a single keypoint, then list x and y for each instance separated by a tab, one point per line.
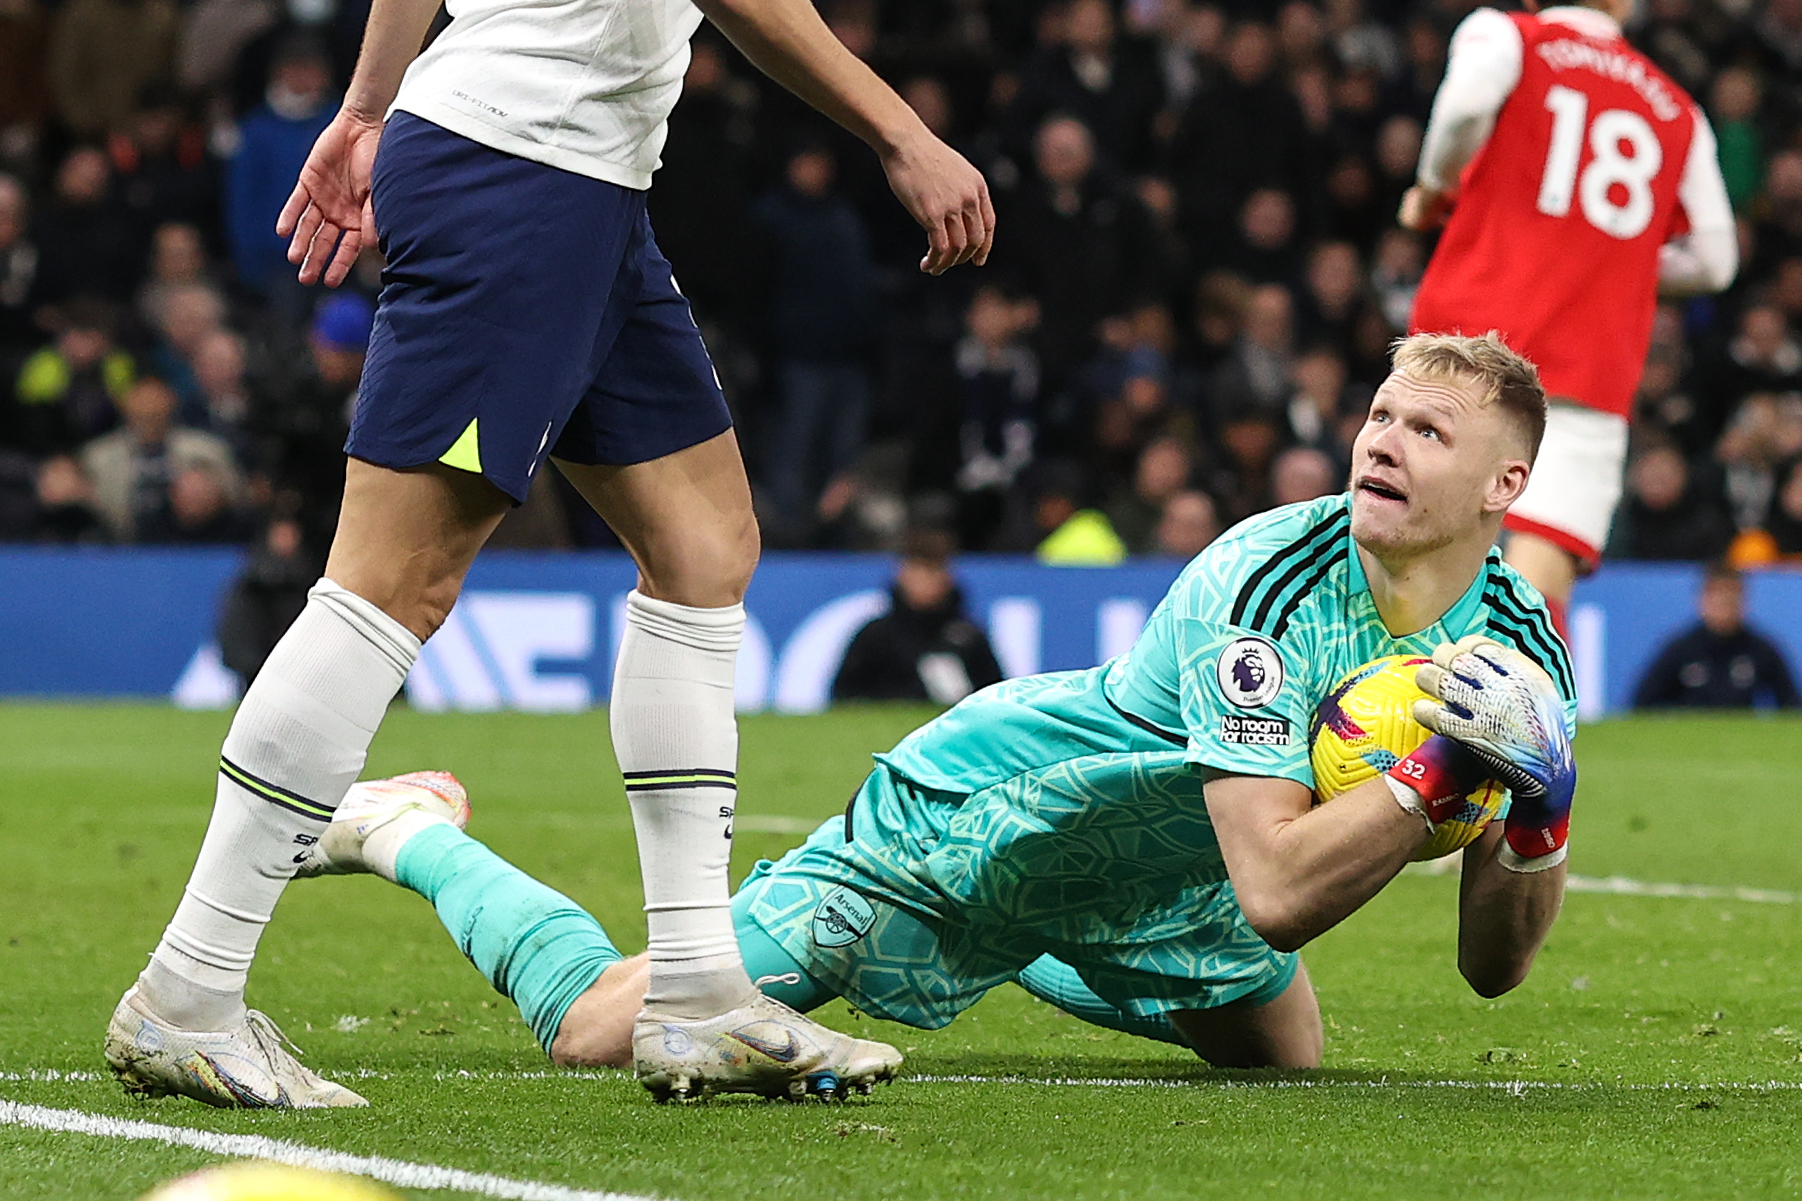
1657	1050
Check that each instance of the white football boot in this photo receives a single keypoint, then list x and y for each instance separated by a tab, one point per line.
419	797
762	1047
245	1068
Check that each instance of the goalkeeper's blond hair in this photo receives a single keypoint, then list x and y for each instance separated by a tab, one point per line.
1506	377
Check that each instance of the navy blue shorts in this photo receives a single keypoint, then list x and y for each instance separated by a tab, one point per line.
525	311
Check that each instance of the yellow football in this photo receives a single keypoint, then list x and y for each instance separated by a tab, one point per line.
254	1180
1365	724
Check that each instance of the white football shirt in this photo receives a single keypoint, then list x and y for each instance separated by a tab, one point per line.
583	85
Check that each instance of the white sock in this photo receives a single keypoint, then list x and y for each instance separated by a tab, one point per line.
676	736
296	745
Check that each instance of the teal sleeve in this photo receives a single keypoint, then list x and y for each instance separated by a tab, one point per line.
1247	701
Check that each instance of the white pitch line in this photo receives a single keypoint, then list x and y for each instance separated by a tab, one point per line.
397	1172
51	1075
1508	1086
1621	886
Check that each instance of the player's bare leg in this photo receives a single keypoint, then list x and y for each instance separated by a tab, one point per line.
597	1030
298	741
1281	1033
687	521
406	539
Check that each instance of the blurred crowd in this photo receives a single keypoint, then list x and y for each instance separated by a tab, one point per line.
1195	281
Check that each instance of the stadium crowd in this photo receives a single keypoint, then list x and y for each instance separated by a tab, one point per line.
1195	282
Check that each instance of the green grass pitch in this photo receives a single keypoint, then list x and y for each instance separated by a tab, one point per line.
1654	1053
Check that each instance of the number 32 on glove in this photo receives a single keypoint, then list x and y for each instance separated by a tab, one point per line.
1504	708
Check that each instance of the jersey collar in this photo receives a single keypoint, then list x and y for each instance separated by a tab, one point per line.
1461	616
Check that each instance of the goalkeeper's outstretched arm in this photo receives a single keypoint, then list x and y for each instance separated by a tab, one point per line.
1504	915
1300	870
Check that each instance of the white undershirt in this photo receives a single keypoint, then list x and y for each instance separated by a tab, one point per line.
1483	70
583	85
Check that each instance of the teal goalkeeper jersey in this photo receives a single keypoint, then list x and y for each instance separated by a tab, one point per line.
1227	672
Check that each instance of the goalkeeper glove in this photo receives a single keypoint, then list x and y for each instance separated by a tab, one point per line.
1502	707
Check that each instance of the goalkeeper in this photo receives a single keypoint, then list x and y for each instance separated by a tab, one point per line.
1136	843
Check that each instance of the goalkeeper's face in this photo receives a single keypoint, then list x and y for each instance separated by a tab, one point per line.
1435	465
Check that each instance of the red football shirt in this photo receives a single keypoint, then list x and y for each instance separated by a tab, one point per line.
1560	216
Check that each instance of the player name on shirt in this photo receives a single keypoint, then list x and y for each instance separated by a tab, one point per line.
1572	53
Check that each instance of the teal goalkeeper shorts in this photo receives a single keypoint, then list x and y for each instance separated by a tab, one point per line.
852	913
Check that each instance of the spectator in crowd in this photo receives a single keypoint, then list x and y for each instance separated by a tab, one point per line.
1091	74
183	316
1243	131
66	393
301	422
1221	302
165	174
134	468
1076	241
266	597
998	376
18	496
24	88
1778	538
1239	476
1071	534
1333	296
1349	206
1135	512
1257	370
18	272
88	242
102	54
177	258
1318	403
1763	356
1720	662
46	502
1265	251
1395	275
1190	522
1303	473
1764	434
924	647
1666	515
200	509
274	141
1777	227
219	365
1733	111
65	503
700	206
822	324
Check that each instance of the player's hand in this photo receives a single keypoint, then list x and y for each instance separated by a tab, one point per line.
1423	209
1506	710
329	214
948	197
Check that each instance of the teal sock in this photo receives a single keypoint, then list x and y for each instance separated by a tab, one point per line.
1052	980
534	944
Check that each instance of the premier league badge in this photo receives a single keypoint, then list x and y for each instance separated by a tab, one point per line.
1250	672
